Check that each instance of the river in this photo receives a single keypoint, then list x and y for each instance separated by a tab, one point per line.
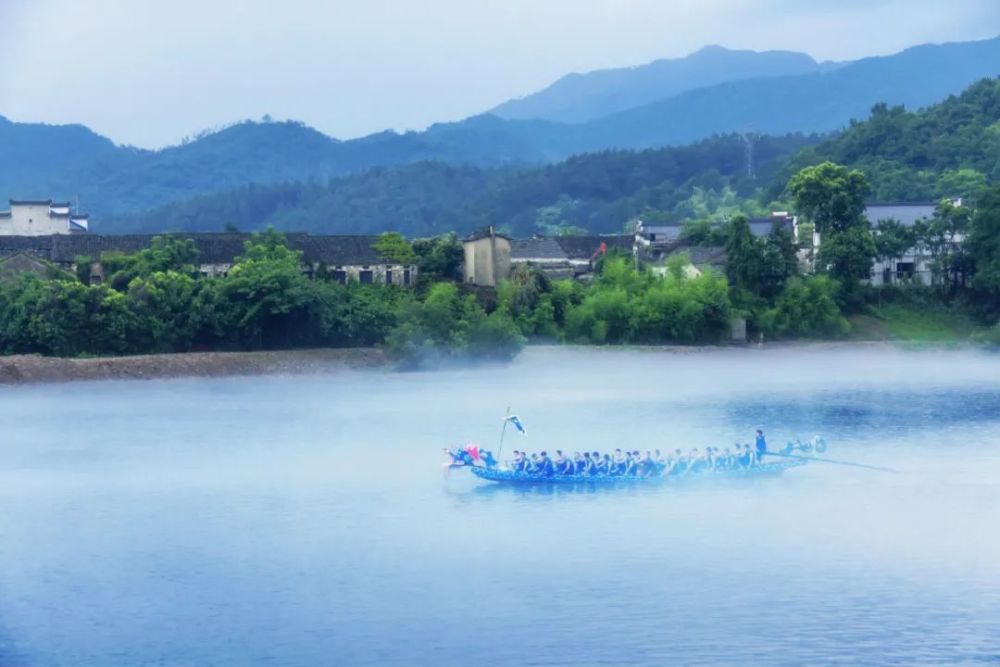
306	520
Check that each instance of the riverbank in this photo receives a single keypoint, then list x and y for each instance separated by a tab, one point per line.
25	369
22	369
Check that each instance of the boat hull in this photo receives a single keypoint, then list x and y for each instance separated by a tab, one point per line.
511	477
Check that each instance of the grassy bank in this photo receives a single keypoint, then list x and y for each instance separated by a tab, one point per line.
920	323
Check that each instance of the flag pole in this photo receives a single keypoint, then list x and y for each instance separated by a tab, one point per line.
503	430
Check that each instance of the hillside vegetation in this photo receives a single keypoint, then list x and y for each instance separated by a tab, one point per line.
596	192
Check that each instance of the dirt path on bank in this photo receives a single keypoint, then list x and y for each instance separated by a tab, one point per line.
21	369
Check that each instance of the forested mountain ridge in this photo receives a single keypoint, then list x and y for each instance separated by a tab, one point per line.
63	162
577	98
596	192
949	149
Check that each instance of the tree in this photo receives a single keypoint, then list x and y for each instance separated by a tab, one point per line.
983	245
439	258
392	247
267	297
778	262
833	198
830	195
892	240
742	255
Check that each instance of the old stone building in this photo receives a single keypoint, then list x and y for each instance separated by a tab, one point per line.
41	218
341	258
487	258
490	257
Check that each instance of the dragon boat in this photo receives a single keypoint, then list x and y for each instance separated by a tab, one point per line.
504	476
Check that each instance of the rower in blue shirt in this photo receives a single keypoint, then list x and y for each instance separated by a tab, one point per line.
761	446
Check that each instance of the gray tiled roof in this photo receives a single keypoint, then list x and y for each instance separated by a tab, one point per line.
212	248
763	226
544	248
584	247
905	213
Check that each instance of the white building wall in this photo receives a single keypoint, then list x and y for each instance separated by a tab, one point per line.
33	219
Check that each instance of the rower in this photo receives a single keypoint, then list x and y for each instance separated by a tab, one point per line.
487	458
562	464
619	463
745	459
545	466
679	464
761	444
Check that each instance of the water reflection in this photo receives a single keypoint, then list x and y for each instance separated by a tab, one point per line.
306	520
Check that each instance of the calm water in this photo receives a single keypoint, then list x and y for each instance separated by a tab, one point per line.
306	521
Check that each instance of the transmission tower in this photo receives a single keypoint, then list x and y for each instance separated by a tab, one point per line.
748	138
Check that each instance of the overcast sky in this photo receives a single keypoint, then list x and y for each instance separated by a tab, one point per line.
149	72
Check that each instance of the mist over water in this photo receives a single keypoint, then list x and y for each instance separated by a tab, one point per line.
306	520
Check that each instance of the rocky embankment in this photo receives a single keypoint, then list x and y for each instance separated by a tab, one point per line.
31	368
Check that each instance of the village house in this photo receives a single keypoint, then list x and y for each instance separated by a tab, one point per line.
341	258
41	217
651	235
915	264
491	257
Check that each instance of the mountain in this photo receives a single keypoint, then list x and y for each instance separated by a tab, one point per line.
819	102
64	162
578	98
597	192
949	149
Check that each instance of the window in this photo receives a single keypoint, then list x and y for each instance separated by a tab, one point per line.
365	277
388	276
339	276
406	276
905	269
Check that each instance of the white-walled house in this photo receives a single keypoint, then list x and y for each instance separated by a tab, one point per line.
41	217
915	264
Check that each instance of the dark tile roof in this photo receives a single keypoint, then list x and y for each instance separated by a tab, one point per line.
702	255
30	202
484	234
40	246
212	248
906	213
22	262
763	226
335	250
584	247
543	248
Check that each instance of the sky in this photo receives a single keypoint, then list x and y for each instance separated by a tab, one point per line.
149	73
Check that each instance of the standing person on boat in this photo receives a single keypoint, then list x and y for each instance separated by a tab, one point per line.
761	444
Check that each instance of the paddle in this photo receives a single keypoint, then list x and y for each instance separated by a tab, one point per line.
840	463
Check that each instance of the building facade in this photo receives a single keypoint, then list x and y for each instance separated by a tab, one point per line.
41	217
487	258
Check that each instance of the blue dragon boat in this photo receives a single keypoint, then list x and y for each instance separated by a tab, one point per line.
504	476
